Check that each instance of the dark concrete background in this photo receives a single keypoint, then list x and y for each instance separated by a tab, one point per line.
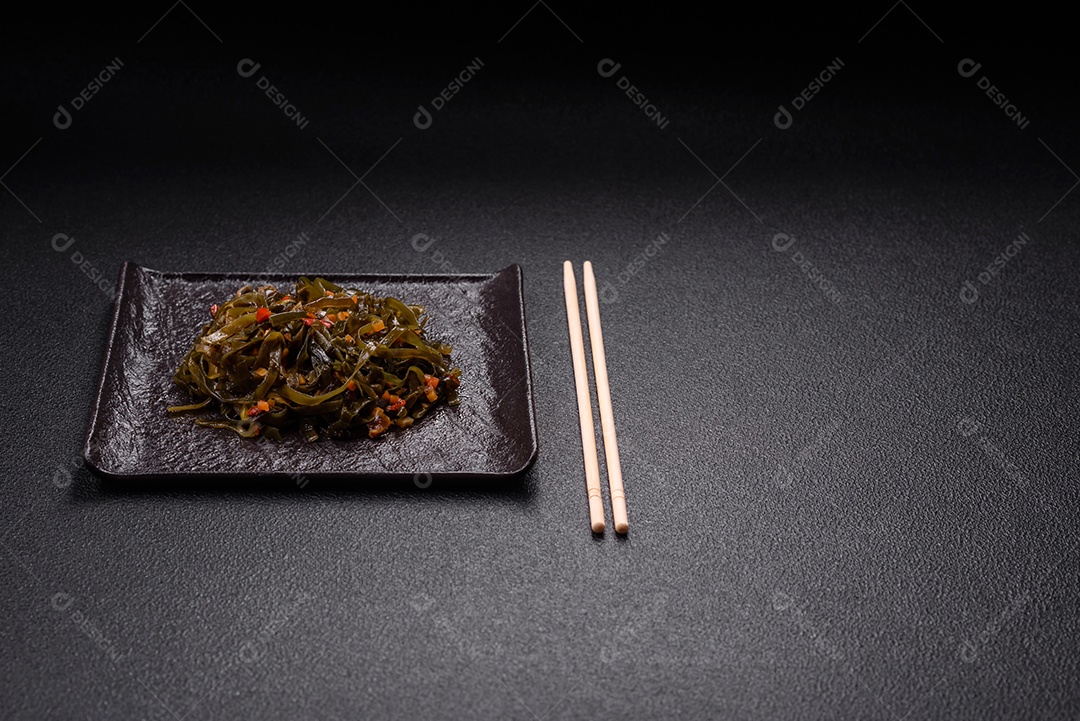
852	492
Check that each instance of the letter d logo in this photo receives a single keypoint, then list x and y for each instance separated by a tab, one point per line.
607	67
62	601
781	242
61	242
421	242
782	119
972	67
968	292
968	426
422	119
608	294
62	119
247	67
781	601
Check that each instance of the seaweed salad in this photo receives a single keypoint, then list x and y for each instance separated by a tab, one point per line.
320	359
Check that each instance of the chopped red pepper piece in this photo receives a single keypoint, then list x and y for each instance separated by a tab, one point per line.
308	321
325	322
262	315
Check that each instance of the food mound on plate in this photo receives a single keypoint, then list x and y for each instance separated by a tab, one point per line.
319	358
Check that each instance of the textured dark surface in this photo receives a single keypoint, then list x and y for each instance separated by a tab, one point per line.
859	503
492	434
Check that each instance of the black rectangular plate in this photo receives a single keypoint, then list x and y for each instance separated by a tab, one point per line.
157	315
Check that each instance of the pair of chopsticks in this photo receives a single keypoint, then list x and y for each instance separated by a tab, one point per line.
603	397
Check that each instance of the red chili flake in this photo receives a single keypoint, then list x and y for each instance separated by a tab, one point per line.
396	406
213	310
308	321
325	322
262	315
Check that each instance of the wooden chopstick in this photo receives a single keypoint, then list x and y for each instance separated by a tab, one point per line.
584	404
603	398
